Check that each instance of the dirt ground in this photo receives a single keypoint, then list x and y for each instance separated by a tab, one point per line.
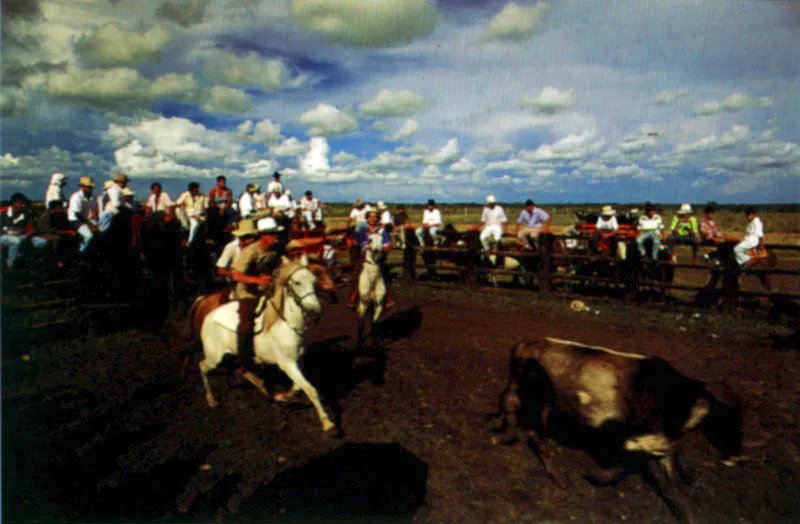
98	425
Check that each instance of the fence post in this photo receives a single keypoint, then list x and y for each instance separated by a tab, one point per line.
409	255
546	263
730	273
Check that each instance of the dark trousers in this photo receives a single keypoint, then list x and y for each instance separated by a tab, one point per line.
245	349
674	240
611	242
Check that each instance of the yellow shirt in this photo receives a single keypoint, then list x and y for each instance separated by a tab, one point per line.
254	261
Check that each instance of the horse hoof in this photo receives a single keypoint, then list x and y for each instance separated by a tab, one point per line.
281	397
211	402
334	432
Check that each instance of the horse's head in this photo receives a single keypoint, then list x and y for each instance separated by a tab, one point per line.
375	246
296	282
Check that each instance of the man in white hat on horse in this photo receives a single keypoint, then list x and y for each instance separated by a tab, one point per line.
252	271
494	221
684	231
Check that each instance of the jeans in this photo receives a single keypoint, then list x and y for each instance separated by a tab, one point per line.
640	240
85	234
491	236
684	241
104	220
432	231
194	225
16	243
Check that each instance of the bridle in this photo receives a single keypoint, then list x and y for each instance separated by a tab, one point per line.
307	316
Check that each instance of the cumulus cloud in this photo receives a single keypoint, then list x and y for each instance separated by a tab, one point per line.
264	132
406	131
326	120
431	173
390	103
732	103
140	161
463	166
111	45
447	154
47	161
289	147
248	70
367	23
184	12
386	161
669	97
261	168
316	160
343	157
515	22
222	99
571	147
494	150
713	142
550	100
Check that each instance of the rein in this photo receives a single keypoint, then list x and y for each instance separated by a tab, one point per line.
297	300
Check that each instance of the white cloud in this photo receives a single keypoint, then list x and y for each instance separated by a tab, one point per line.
13	102
316	160
222	99
387	161
571	147
367	23
550	100
264	132
327	120
669	97
137	160
289	147
390	103
111	45
736	101
48	161
248	70
173	86
708	108
261	168
713	142
8	160
495	150
431	173
515	23
463	166
732	103
406	131
450	152
343	157
186	12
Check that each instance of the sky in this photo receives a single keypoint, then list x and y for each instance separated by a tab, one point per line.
405	100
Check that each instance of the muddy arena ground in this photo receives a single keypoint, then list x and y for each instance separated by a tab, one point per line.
99	426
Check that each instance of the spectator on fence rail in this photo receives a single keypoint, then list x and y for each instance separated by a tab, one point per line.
358	216
683	230
279	204
80	211
709	231
275	186
158	201
532	220
55	190
18	233
191	209
247	202
431	222
114	201
494	223
54	227
291	205
607	231
245	234
650	226
753	237
311	210
220	199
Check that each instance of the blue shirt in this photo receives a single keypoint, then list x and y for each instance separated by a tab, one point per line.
362	237
537	218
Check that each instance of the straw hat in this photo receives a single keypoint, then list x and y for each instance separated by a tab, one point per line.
685	209
288	193
608	211
246	228
253	187
121	177
86	181
381	205
358	202
128	192
107	184
491	199
268	225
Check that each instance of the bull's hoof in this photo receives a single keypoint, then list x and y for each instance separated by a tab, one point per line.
334	432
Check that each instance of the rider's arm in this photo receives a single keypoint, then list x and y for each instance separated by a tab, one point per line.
250	279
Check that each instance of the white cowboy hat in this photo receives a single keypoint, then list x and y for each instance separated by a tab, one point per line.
381	205
491	199
287	192
608	211
268	225
685	209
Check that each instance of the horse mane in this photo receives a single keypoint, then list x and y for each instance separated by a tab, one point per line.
280	277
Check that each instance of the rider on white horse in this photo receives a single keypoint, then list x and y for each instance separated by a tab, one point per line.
362	241
252	271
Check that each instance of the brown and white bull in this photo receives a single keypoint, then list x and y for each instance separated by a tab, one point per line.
622	408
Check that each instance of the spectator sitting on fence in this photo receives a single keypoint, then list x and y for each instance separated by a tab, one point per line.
494	221
275	186
398	226
247	202
191	210
607	231
532	220
753	238
55	190
431	223
709	231
279	203
311	210
54	227
684	231
358	216
80	211
18	233
158	201
650	226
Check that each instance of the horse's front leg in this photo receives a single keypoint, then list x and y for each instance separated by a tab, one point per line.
292	370
204	370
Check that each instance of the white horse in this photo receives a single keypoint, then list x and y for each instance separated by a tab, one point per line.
371	287
280	330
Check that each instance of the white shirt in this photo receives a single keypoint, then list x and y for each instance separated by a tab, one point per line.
55	192
386	218
431	217
115	199
607	225
80	207
247	204
195	207
360	215
274	186
280	203
229	254
309	204
494	217
161	204
650	224
754	231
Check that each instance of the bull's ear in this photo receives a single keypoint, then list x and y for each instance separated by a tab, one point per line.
304	260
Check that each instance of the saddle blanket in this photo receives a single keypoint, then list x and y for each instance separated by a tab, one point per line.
227	316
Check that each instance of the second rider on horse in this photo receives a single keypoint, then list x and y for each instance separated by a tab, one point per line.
362	240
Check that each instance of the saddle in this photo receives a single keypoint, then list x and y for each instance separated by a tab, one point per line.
228	316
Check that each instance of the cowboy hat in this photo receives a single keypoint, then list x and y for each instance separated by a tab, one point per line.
608	211
685	209
268	225
431	202
288	193
121	177
86	181
253	187
381	205
107	184
491	199
245	228
358	202
128	192
58	178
